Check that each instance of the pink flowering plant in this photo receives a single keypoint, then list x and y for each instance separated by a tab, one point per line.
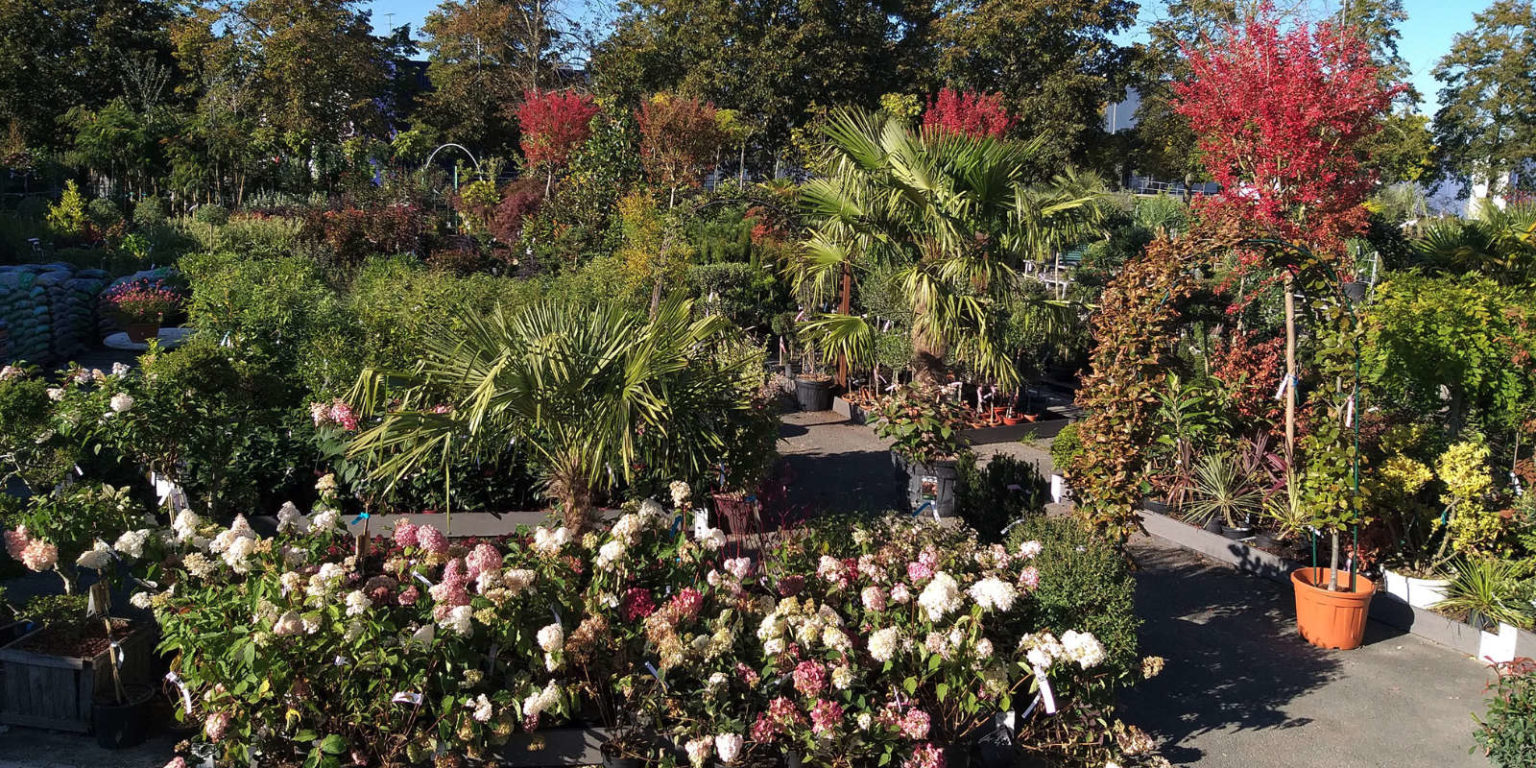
308	646
141	301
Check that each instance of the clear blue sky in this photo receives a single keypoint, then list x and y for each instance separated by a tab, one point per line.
1427	33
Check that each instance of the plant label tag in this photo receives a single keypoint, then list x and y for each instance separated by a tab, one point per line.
1045	691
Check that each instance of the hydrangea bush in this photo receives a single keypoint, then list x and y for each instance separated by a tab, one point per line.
886	644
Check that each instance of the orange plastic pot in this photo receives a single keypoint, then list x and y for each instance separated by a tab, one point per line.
1331	619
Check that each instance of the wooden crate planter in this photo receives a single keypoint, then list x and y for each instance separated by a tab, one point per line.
56	692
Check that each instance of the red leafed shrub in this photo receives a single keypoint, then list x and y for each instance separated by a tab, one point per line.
554	123
1250	368
974	114
678	139
1279	116
519	201
354	234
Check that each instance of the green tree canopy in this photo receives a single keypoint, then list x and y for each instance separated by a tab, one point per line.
1486	126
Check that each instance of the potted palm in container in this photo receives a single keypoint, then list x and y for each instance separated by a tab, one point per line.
924	426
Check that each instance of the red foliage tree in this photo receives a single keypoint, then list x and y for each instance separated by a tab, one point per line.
974	114
1280	116
679	139
554	123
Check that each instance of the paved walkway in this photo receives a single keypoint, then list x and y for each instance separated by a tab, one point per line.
1241	688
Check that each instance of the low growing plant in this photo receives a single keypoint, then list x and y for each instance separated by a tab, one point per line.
1507	733
923	424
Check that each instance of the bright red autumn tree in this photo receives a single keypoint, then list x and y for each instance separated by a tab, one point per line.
679	139
554	124
974	114
1280	117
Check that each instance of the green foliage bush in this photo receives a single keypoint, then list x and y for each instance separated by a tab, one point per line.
268	309
149	213
1508	731
991	497
211	213
1064	448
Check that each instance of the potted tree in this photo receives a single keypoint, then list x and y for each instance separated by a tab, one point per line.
140	306
1064	450
924	426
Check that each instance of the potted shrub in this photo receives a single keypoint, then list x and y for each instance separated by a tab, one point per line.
140	306
1491	594
924	426
1415	570
1224	497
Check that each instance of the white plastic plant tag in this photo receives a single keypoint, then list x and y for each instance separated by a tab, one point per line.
1045	691
186	695
414	699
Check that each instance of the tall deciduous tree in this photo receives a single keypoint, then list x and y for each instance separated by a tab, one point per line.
554	124
59	54
1055	61
679	140
1280	115
312	70
483	55
773	60
1486	126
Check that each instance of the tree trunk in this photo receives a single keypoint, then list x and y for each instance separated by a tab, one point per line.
845	307
1290	367
1333	564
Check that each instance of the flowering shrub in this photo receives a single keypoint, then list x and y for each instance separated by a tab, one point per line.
924	425
973	114
141	301
885	645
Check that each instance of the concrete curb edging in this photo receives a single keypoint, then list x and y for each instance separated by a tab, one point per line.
1386	609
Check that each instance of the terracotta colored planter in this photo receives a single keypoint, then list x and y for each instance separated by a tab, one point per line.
1012	420
1331	619
141	332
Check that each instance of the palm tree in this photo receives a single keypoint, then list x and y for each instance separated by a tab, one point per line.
591	393
1498	242
953	213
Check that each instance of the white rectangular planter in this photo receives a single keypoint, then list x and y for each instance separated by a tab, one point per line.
1496	648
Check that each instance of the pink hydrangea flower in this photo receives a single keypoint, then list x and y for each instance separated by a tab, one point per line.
39	556
215	726
482	558
747	674
873	598
431	539
637	604
810	678
925	756
1029	578
914	725
15	542
454	588
405	534
686	603
409	596
826	716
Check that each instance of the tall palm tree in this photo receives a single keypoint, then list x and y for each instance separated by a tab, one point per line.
954	214
592	393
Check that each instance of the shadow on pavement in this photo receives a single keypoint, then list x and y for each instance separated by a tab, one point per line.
1234	658
854	481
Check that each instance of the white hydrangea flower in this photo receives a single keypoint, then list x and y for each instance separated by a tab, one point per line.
884	643
292	582
358	603
325	580
941	596
96	558
680	493
994	594
55	394
289	518
1083	648
482	708
552	638
610	554
185	525
290	623
459	620
728	746
140	600
549	542
1029	549
515	580
237	555
712	539
536	704
198	565
120	369
842	677
122	402
325	521
131	543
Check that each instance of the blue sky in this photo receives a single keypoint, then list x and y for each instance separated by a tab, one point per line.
1427	33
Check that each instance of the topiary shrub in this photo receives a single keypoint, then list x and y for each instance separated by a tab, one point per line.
1508	732
990	498
149	213
212	214
1064	448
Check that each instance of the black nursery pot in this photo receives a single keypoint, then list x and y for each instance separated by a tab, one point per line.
814	394
126	724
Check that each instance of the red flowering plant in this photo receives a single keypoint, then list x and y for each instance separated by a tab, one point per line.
978	115
142	301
